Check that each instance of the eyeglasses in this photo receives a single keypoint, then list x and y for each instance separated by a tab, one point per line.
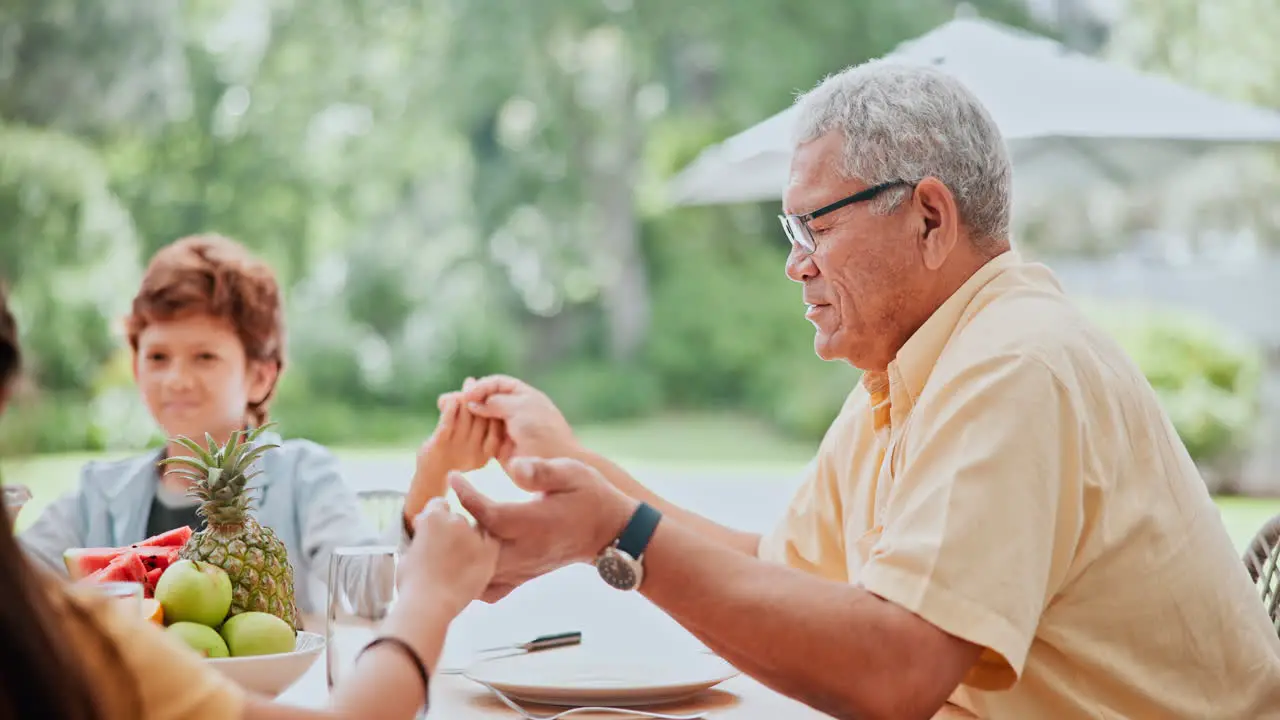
797	226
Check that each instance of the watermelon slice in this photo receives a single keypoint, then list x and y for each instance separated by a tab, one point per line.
176	537
149	584
83	562
157	551
158	558
127	567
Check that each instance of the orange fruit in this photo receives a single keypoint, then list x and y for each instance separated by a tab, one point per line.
152	610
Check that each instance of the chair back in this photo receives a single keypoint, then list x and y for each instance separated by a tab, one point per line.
381	507
1262	560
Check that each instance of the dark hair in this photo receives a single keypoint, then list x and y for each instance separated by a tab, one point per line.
10	357
215	276
43	676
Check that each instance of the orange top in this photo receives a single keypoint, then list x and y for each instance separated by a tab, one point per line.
142	672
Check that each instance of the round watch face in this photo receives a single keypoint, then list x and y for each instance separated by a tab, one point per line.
618	570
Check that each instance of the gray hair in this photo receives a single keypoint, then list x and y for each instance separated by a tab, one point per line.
907	122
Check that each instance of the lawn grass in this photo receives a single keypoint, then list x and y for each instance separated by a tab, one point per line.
685	441
697	439
1245	516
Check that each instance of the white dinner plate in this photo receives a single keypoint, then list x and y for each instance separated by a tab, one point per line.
578	676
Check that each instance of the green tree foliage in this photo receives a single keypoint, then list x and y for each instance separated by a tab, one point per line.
447	189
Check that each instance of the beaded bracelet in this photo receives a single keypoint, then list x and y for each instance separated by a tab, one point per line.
413	655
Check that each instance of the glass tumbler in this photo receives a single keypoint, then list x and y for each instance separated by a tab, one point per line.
15	497
128	594
362	591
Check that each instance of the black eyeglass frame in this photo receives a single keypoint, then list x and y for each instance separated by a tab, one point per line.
798	225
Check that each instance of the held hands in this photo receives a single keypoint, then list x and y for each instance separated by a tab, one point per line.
533	426
575	514
449	561
494	417
462	441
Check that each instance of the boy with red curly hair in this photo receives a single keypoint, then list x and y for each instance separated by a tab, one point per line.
207	335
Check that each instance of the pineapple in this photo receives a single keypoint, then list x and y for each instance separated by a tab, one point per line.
254	558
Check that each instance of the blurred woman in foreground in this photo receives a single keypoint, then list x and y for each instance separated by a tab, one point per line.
71	655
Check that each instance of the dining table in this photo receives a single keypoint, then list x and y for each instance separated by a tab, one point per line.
572	599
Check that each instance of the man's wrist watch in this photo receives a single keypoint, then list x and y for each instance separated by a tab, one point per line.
621	565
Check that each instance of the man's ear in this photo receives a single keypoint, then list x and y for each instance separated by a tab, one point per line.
940	221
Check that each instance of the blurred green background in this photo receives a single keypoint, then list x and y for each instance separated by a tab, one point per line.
451	188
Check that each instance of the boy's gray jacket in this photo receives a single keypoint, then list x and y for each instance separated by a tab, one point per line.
300	495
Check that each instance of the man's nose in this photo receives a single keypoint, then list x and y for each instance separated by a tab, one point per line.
800	265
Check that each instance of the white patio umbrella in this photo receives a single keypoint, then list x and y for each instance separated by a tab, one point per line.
1068	119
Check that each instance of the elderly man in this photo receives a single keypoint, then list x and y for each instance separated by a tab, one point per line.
1001	521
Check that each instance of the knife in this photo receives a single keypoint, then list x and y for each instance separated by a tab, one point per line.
538	644
544	642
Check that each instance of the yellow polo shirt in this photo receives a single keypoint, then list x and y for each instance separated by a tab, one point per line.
1013	480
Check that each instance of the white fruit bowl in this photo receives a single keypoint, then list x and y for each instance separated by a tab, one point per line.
271	675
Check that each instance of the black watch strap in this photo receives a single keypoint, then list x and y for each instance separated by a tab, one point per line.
636	535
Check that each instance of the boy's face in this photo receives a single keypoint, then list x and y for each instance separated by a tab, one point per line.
195	378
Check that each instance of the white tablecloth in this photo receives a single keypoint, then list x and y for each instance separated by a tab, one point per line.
571	599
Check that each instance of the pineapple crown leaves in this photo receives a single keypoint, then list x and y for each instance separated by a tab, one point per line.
219	474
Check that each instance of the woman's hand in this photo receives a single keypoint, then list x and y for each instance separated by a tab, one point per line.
447	565
449	561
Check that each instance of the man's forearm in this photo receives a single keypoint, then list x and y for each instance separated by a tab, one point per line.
742	541
835	647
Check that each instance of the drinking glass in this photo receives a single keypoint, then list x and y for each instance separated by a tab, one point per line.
129	594
382	507
15	497
362	591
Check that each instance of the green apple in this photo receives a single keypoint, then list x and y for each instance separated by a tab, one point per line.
202	638
257	633
193	591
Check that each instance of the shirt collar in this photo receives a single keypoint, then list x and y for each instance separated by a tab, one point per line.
906	376
145	470
130	494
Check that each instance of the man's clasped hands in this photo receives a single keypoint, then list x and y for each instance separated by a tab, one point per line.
574	511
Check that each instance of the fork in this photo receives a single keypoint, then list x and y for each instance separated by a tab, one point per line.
626	712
